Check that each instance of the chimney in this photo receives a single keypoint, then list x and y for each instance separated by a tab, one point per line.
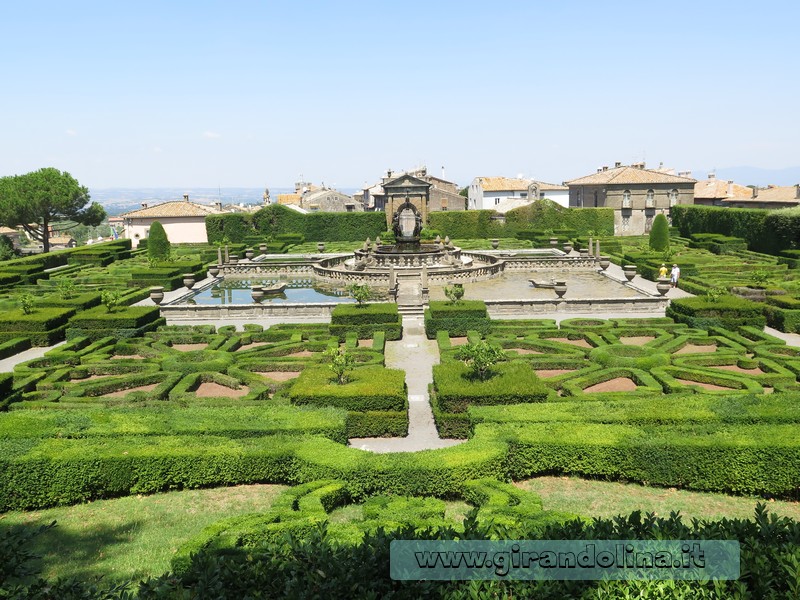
755	191
605	168
712	175
186	197
599	169
218	206
144	204
730	188
617	165
797	191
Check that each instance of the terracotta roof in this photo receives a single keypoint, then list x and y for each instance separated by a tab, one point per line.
177	208
719	188
543	187
61	240
629	175
773	193
8	231
503	184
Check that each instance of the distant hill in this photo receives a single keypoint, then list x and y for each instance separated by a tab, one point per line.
753	175
120	200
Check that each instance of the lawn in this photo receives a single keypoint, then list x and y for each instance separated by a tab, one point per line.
609	499
133	537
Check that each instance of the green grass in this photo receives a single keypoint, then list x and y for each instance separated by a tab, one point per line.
134	537
608	499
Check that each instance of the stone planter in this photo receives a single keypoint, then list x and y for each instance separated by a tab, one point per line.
553	242
262	248
567	247
663	285
157	294
213	271
188	280
629	271
249	253
257	292
560	288
320	246
604	262
233	259
495	243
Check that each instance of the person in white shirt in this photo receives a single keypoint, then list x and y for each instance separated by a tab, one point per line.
674	275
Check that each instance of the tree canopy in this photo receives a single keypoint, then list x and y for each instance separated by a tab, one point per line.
36	201
158	245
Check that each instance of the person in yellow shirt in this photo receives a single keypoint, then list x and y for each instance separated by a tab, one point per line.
662	272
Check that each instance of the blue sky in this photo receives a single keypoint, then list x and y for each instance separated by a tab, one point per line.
246	93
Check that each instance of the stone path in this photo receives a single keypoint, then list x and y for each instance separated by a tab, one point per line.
416	355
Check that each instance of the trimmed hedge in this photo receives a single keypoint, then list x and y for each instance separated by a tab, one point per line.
371	388
366	320
457	318
728	312
14	346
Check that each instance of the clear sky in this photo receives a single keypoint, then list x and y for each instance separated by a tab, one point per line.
255	93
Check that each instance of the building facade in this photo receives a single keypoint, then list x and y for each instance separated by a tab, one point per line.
506	193
184	222
442	194
635	193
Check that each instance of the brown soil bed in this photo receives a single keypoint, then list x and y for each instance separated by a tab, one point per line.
636	340
738	369
695	349
209	389
580	342
125	392
618	384
365	343
301	354
525	351
279	375
545	373
458	341
706	386
189	347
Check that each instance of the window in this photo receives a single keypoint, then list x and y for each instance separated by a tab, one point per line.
523	194
496	201
626	199
595	199
673	197
650	201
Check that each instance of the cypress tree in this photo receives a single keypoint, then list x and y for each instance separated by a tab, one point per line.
158	246
659	234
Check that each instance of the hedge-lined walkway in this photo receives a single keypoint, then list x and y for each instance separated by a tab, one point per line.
416	355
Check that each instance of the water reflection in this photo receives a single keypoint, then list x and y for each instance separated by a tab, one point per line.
300	291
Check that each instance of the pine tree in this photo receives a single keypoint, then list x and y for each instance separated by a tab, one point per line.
158	246
659	234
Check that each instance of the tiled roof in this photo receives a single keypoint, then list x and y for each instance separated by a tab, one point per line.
503	184
773	193
61	240
8	231
719	188
544	187
177	208
629	176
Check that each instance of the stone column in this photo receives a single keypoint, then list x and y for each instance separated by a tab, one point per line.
597	252
227	254
219	255
590	246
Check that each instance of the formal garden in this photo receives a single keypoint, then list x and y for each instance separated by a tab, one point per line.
219	455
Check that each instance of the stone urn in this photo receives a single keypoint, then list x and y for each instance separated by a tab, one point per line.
213	271
663	285
604	262
495	243
262	248
584	252
567	247
257	292
188	280
157	294
249	253
629	271
554	241
233	259
560	288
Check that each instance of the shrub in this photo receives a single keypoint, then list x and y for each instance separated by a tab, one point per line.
659	234
369	388
480	357
456	318
158	246
341	363
728	312
359	292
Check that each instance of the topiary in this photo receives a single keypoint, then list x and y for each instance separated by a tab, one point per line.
158	246
659	234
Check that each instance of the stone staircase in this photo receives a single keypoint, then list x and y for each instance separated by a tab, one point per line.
409	297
